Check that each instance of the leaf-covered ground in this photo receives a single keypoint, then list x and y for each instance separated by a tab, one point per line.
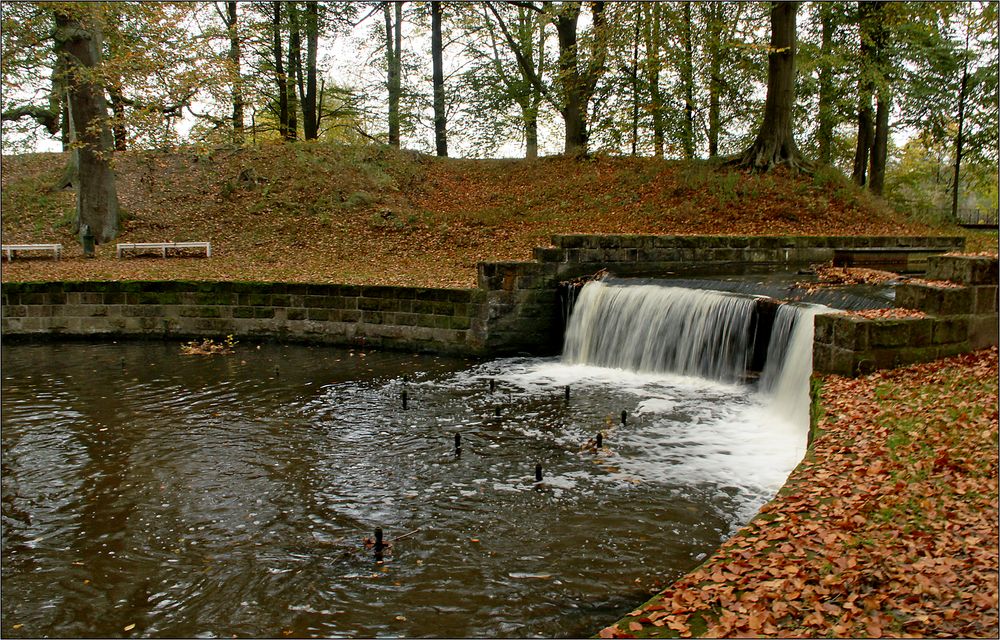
888	528
310	212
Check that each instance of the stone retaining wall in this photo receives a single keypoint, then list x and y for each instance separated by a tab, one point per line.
439	320
634	255
516	307
525	310
959	319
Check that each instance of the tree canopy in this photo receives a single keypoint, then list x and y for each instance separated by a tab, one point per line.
670	79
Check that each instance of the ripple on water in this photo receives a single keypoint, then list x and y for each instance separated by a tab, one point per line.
210	497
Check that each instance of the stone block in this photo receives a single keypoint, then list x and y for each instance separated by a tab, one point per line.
34	298
822	357
950	330
939	301
667	242
141	311
548	254
842	362
200	312
350	316
850	333
954	349
984	331
921	332
84	297
574	241
972	270
985	299
888	333
214	326
914	296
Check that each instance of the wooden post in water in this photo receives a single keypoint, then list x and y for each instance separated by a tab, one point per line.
538	473
379	545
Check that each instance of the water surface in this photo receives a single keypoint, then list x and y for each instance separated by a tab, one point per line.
230	495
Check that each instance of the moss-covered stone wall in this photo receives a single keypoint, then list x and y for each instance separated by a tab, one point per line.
417	319
961	317
516	307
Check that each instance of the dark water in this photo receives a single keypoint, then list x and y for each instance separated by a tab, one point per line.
215	496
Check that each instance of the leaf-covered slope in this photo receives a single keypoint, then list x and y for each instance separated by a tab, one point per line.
321	212
888	528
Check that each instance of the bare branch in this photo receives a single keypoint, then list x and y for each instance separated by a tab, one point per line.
42	115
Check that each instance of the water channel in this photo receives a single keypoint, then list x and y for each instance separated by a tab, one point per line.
150	493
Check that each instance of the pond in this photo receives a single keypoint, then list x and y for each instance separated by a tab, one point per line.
150	493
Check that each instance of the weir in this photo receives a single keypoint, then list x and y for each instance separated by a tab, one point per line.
720	336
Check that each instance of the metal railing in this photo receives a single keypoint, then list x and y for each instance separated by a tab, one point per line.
976	217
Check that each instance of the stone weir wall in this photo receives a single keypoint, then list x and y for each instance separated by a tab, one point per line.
960	303
516	307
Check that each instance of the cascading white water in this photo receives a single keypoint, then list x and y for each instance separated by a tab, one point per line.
789	361
656	329
661	329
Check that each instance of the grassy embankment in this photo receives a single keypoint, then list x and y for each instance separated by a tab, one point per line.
327	213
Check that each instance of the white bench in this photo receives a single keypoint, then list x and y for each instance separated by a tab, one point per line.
11	249
162	247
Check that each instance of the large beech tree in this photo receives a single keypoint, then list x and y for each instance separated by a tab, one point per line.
775	142
78	46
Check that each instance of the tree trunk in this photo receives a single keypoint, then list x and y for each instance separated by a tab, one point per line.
634	72
393	44
824	133
310	110
294	70
880	141
578	84
687	79
97	198
714	76
440	117
651	36
530	117
880	145
866	134
119	131
232	25
866	89
574	113
960	135
775	142
279	72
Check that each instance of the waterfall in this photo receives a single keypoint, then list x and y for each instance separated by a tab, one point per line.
708	334
657	329
789	361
